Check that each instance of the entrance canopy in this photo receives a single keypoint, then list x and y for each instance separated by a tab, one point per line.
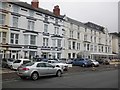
109	54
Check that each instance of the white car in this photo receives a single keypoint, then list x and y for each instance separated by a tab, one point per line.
94	62
64	66
18	63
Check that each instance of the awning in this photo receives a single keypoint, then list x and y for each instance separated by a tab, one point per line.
103	54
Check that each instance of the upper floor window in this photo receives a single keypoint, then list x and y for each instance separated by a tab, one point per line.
15	21
26	39
91	38
16	8
71	34
85	29
78	46
95	39
45	28
78	35
91	48
54	42
14	38
31	13
0	37
85	37
94	32
46	18
31	25
56	21
59	43
73	45
32	39
2	19
45	41
91	31
69	44
3	5
99	40
56	30
4	36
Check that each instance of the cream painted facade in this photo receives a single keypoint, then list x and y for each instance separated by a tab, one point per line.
84	41
4	29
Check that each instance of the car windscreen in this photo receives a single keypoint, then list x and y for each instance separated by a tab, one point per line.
24	62
29	64
17	61
11	60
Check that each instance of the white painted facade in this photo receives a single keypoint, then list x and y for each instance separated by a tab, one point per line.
39	32
20	34
84	39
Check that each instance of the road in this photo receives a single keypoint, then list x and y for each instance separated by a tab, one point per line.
90	79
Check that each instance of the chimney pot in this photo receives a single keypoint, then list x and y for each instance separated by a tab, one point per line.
35	3
56	10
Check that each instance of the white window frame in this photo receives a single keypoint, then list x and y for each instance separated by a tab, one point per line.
16	8
2	19
15	21
33	40
59	42
31	25
26	39
45	41
56	30
45	28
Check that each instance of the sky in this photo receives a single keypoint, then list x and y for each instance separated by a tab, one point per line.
100	12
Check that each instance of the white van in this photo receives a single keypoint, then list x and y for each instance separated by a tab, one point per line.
19	62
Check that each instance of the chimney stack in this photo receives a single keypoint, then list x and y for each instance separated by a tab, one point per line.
35	3
56	10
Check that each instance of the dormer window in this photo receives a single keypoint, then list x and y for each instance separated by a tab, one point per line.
3	5
56	21
31	13
46	18
15	9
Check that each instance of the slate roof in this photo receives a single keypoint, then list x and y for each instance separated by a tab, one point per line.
75	22
41	10
86	25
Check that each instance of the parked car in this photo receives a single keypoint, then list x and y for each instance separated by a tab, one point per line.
7	62
40	59
19	62
82	62
36	69
64	66
106	61
100	61
94	62
70	61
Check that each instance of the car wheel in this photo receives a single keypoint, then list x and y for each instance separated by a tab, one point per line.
83	65
11	67
34	76
59	73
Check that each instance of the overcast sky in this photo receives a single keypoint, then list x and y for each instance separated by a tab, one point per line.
101	12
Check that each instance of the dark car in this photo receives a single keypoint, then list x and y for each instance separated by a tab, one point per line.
7	62
106	61
82	62
40	59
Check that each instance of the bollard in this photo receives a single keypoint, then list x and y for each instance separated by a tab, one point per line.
115	65
93	68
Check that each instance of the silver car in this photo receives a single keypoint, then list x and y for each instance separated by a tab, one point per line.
36	69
